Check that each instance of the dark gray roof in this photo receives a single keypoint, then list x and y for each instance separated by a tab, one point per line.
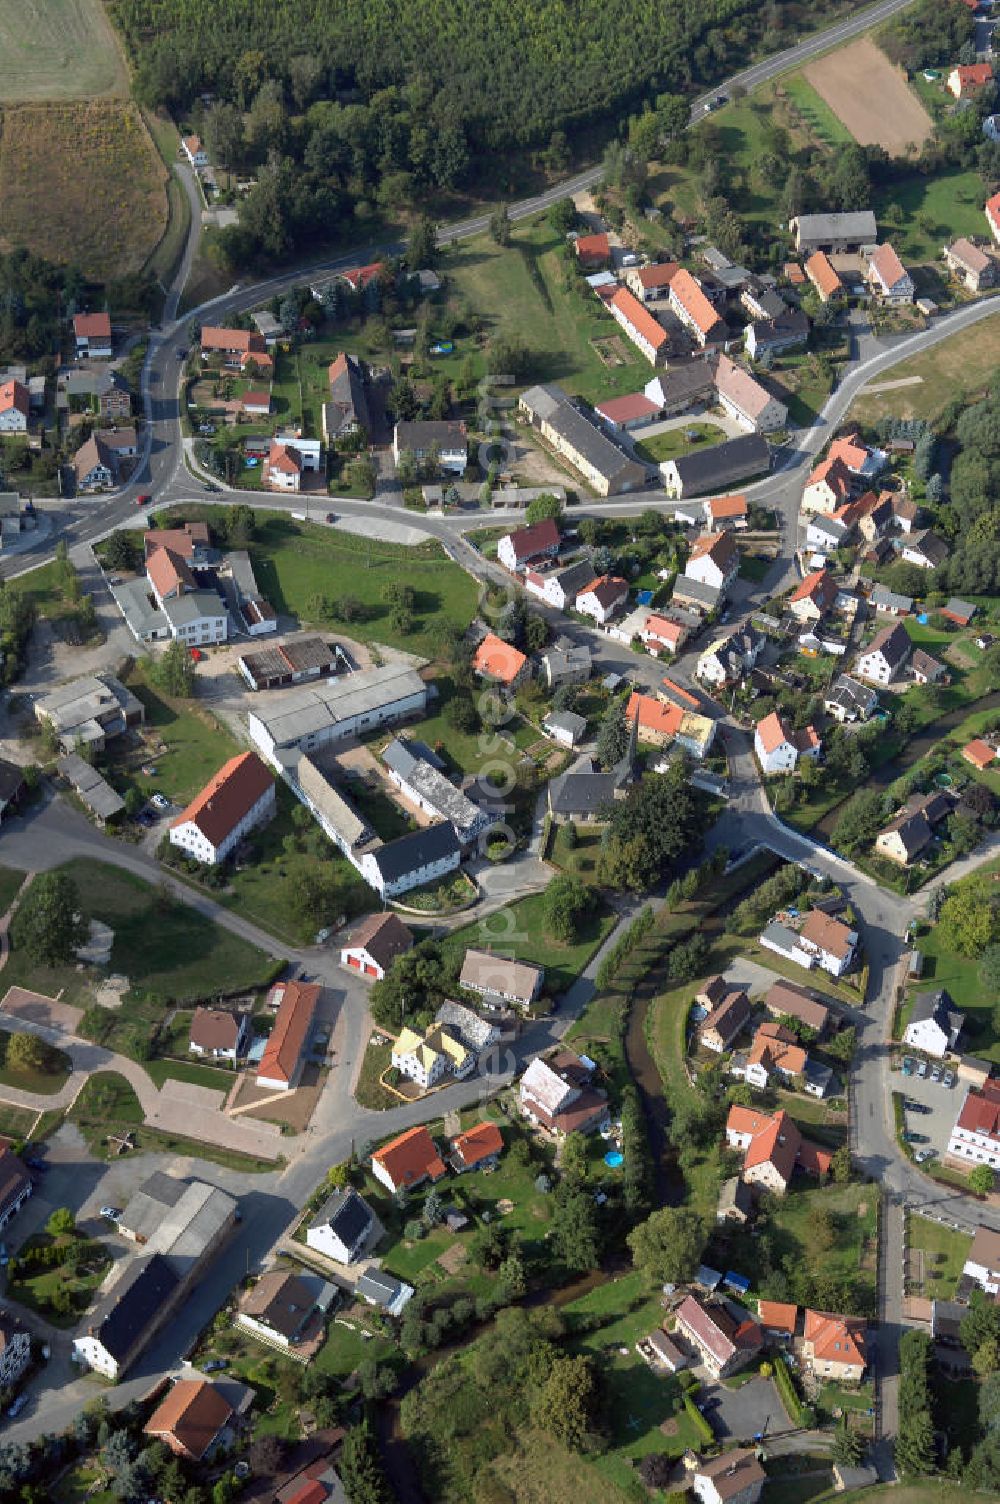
377	1286
792	324
892	642
850	693
11	779
581	434
575	576
710	469
567	720
348	398
940	1007
129	1307
682	382
697	590
817	1074
425	432
772	303
933	548
346	1214
858	225
581	793
396	858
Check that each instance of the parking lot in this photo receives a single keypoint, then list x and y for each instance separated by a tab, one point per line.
745	1412
943	1101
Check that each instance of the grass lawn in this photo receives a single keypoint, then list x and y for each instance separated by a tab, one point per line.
945	1253
36	1289
10	883
934	210
196	745
169	951
753	567
187	1070
369	1091
345	1347
265	888
296	563
46	1083
581	858
959	975
823	124
16	1122
954	367
677	441
529	940
530	289
854	1211
639	1399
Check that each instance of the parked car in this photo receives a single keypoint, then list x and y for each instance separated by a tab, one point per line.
18	1405
936	1073
111	1212
214	1364
948	1079
912	1106
918	1138
159	801
922	1155
922	1068
331	516
909	1065
141	501
36	1164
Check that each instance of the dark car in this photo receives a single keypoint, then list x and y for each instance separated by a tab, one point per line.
210	486
38	1165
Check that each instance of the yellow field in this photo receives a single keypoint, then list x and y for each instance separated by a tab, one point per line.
58	49
964	364
83	183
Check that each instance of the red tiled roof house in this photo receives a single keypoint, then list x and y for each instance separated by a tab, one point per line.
239	798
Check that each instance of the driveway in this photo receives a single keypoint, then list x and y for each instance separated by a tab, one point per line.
745	1412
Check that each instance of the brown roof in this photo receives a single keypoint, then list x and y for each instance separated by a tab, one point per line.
741	388
246	341
777	1316
828	933
280	1300
893	642
13	1177
168	572
292	1026
92	325
606	589
215	1028
284	457
498	659
410	1158
732	1472
193	1413
227	797
181	540
91	453
985	1249
660	275
772	732
796	1002
969	255
728	1017
384	937
720	547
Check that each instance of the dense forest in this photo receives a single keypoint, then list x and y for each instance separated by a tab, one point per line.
342	109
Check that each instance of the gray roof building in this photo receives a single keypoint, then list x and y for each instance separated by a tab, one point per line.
124	1318
834	232
348	1216
383	1290
182	1220
430	789
884	599
421	848
330	709
717	467
586	445
567	664
95	791
475	1033
347	408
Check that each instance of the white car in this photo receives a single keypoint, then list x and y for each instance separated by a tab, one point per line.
112	1213
923	1154
160	802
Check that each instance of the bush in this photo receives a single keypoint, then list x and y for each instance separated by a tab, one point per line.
789	1396
699	1422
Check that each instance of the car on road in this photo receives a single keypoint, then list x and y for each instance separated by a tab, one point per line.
917	1138
160	801
18	1405
210	486
331	517
142	500
112	1213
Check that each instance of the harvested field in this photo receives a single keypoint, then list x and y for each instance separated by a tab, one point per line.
58	49
871	97
81	182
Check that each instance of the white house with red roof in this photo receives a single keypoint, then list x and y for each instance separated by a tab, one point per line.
726	1342
992	212
650	282
281	1064
15	405
834	1347
829	940
744	398
661	635
695	310
887	277
194	151
516	550
714	560
92	332
814	596
975	1138
966	79
283	470
773	1148
602	597
235	801
778	746
828	487
646	333
726	511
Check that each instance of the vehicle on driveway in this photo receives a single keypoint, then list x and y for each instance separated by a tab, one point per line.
922	1155
912	1106
160	802
214	1364
112	1213
922	1068
947	1079
936	1073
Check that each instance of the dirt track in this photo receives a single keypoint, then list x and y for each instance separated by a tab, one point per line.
870	96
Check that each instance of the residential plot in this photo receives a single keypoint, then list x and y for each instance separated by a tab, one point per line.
59	49
871	97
